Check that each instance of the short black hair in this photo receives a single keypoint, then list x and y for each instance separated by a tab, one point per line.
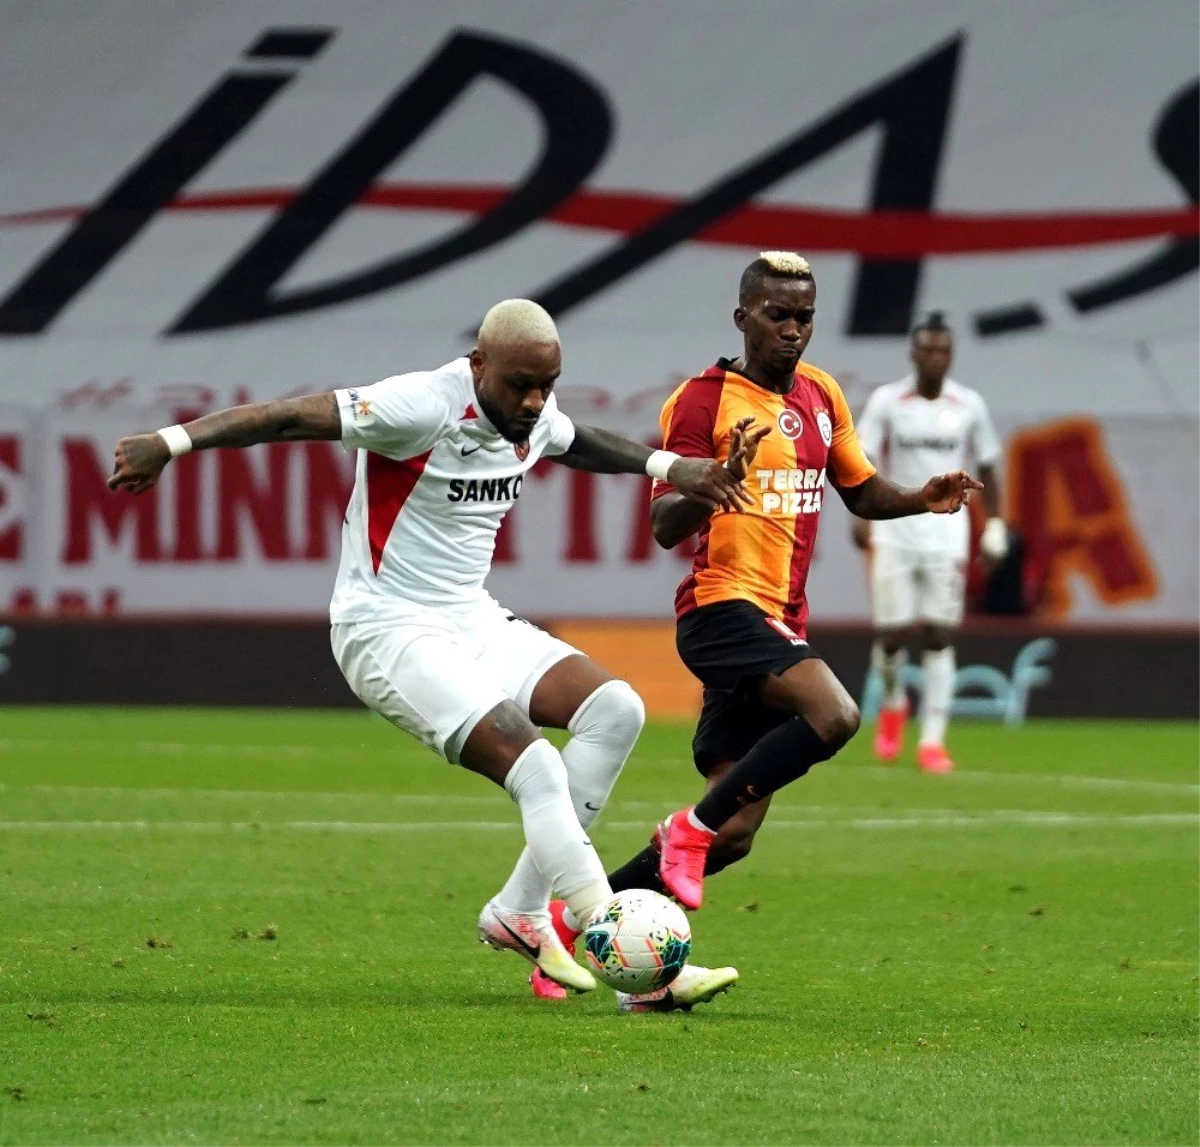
933	321
771	265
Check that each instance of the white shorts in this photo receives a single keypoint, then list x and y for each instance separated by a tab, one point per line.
437	673
908	586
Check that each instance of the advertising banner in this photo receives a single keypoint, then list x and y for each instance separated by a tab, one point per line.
210	203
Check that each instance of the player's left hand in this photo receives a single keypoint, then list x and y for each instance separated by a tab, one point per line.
743	446
948	493
706	481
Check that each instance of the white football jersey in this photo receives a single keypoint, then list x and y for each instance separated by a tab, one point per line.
433	481
911	439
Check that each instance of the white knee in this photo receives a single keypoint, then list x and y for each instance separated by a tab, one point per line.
604	730
611	716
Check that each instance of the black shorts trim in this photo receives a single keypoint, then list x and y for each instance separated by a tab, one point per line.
730	646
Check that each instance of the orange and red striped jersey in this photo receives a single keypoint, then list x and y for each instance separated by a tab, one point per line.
762	556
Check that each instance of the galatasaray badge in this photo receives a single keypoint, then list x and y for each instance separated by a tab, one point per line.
825	427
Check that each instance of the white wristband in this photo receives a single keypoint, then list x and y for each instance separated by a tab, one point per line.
176	438
659	463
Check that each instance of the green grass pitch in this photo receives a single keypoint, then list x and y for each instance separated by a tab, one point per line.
258	927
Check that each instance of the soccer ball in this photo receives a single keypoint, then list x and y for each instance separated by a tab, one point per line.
638	941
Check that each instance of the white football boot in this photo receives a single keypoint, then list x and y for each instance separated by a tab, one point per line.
693	985
532	935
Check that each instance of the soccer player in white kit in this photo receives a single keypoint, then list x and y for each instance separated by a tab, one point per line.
924	424
442	456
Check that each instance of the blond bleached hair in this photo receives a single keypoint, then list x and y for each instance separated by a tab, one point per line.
768	265
517	321
785	263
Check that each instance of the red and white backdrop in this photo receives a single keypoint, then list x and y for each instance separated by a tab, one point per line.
208	203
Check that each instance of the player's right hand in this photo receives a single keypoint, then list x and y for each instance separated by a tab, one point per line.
708	482
139	461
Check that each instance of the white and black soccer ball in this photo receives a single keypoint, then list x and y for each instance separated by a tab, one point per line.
638	941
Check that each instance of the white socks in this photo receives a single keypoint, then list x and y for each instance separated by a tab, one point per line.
890	667
537	782
605	728
697	823
938	692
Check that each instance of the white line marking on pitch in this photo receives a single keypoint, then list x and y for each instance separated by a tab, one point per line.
91	746
1078	782
946	820
273	794
339	751
1067	780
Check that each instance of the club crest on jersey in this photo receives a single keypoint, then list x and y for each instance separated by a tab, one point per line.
791	424
825	426
521	449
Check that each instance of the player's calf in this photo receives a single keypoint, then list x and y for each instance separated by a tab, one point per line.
604	729
733	843
936	699
888	659
537	783
735	838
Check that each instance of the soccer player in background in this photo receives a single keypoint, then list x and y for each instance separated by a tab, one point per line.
442	455
772	708
918	565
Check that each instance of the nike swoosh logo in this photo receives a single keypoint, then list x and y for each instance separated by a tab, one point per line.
593	807
466	451
520	940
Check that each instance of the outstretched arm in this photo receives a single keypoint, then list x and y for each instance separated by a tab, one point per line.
140	458
877	498
703	481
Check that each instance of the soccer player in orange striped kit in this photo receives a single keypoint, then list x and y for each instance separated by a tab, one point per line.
772	707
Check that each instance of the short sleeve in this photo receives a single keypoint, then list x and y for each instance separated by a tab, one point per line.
688	421
400	417
985	442
848	465
872	425
562	429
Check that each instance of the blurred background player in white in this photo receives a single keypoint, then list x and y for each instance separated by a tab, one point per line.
924	424
442	456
